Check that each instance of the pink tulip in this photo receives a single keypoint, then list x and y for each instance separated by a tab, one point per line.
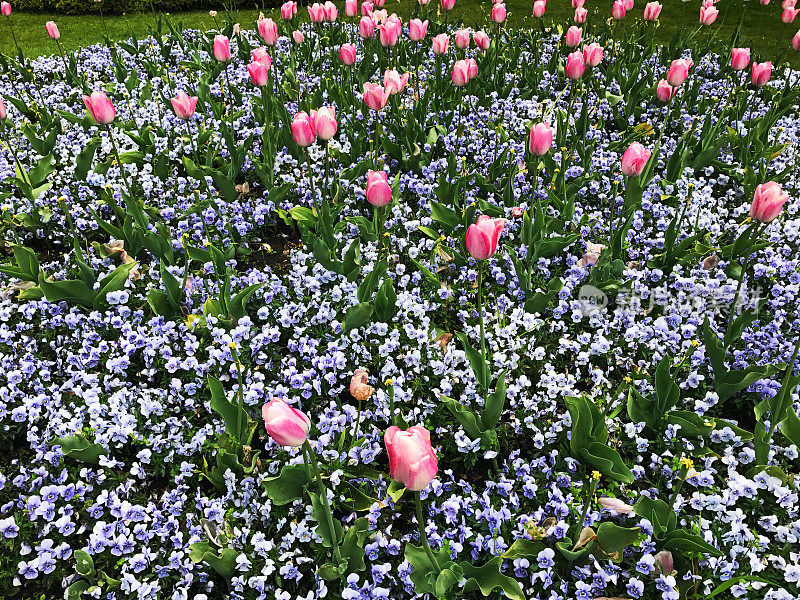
375	96
665	564
664	91
184	105
259	73
379	193
366	8
481	40
652	10
634	159
268	30
788	15
796	41
767	202
222	48
618	10
286	425
261	55
482	237
708	15
573	36
390	33
351	8
52	30
578	3
592	54
348	54
761	73
424	2
412	461
740	58
100	107
5	8
331	12
440	43
472	67
379	3
764	2
581	14
447	5
366	28
417	29
288	10
303	131
678	71
3	111
499	13
628	5
788	4
324	122
575	65
393	82
615	505
298	37
462	39
540	139
460	75
538	8
316	13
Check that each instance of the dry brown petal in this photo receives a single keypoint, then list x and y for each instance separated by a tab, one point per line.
443	339
17	287
710	262
586	536
359	388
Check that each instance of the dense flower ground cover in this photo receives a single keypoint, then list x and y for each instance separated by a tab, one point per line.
370	309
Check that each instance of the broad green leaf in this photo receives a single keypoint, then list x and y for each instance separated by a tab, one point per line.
329	538
488	578
80	448
288	486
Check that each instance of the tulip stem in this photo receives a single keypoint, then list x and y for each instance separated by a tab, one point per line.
119	163
235	355
745	264
14	35
23	173
327	171
358	423
480	317
311	178
423	536
587	503
323	492
267	135
784	391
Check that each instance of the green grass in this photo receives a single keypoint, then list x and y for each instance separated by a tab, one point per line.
762	28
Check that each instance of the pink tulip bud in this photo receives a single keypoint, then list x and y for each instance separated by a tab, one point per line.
788	4
284	424
379	3
351	8
578	3
390	32
366	28
417	29
618	10
634	159
472	67
100	107
303	131
375	96
767	202
268	30
761	73
615	505
324	122
424	2
261	55
3	111
708	15
573	36
581	14
348	54
379	193
52	30
298	37
460	75
482	237
538	8
412	461
796	41
331	12
440	43
652	10
316	13
665	564
499	13
740	58
664	91
788	15
481	40
678	71
540	139
184	105
288	10
447	5
393	82
5	8
259	73
366	8
575	65
359	386
222	48
592	54
764	2
628	5
462	39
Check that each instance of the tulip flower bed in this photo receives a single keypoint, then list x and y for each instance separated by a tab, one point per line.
369	309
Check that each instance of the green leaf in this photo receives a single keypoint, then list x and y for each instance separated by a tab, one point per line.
446	580
357	316
445	216
73	291
425	572
80	448
494	403
75	591
113	283
612	539
396	490
475	359
225	564
686	541
352	548
288	486
84	565
467	418
237	421
523	548
329	538
659	513
488	578
331	572
608	461
731	582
